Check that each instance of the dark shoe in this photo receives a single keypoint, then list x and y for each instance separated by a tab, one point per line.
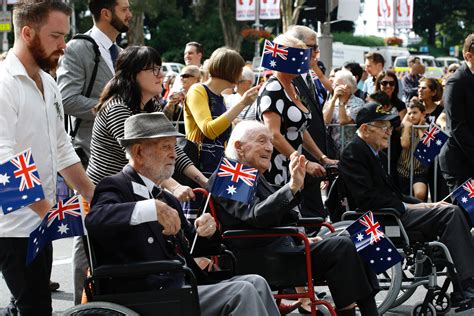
304	311
53	286
288	308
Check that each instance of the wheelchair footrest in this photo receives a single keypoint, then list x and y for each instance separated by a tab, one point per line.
464	305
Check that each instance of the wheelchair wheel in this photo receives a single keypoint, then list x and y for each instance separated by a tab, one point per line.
99	308
416	311
441	302
390	281
406	291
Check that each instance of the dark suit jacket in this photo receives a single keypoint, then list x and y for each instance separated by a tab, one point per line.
368	185
269	208
114	240
457	155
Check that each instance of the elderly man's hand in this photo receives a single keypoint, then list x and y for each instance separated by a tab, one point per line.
315	169
168	217
183	193
297	171
205	225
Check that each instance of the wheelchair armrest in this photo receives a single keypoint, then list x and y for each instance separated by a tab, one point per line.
310	221
260	232
139	268
389	211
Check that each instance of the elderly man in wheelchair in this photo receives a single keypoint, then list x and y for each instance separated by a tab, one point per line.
132	220
334	259
369	187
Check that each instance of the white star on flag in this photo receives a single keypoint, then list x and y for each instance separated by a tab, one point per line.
4	179
231	190
273	64
360	237
24	197
438	142
63	229
464	199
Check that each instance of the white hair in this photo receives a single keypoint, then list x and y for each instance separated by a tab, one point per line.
247	74
301	32
348	78
244	130
290	41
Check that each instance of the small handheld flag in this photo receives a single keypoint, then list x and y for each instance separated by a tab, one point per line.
286	59
63	220
20	184
430	145
234	181
464	195
372	244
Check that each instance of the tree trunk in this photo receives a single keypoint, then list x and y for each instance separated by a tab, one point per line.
230	28
135	34
288	15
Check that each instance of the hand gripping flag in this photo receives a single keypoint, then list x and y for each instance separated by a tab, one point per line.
286	59
63	220
20	184
234	181
430	145
464	195
372	244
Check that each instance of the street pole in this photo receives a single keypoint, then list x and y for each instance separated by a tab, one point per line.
257	27
5	34
325	40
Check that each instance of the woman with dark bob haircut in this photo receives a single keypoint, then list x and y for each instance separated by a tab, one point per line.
206	119
138	79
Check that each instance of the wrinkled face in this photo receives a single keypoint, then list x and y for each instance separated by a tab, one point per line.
257	150
121	16
159	158
46	43
347	87
377	134
150	81
415	115
191	56
243	84
387	85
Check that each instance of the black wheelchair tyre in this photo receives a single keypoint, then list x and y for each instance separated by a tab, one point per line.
99	308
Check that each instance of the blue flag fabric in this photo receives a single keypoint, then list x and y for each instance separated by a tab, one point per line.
20	184
372	245
464	195
62	221
234	181
430	145
286	59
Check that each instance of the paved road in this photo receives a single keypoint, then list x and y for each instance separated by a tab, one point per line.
63	298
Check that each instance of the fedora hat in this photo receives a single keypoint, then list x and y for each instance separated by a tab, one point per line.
147	126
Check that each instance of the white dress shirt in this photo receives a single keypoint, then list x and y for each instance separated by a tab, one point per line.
29	119
145	211
104	43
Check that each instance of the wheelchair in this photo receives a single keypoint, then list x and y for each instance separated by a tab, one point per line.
423	262
274	266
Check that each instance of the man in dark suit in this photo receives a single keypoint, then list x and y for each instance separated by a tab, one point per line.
312	205
457	156
370	188
133	220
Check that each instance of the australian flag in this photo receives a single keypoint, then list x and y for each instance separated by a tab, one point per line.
63	220
430	145
20	184
372	245
234	181
464	195
286	59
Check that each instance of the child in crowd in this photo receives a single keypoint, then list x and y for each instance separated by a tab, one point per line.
415	116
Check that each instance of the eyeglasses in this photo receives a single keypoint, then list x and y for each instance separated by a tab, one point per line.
156	70
385	83
186	76
385	128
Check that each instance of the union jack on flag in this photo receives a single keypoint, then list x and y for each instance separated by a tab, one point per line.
372	244
275	50
429	135
430	145
62	221
20	183
234	181
464	195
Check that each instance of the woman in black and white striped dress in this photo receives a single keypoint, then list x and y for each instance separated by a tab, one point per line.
138	79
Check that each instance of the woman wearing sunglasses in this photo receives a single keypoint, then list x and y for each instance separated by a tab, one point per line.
387	82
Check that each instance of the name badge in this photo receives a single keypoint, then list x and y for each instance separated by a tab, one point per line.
141	190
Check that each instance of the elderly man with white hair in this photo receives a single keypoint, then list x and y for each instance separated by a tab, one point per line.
334	259
246	81
343	106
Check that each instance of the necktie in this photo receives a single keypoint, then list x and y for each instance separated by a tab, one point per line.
114	53
156	192
311	86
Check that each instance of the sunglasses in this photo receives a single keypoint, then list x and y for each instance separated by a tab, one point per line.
186	76
390	83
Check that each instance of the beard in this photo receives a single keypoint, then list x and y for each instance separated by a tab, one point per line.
118	24
44	61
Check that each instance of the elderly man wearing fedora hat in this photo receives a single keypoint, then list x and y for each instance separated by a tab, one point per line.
132	219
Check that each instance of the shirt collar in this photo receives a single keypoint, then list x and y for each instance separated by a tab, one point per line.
16	67
101	38
376	154
148	183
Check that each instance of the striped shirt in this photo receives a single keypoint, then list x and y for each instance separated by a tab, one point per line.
107	155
